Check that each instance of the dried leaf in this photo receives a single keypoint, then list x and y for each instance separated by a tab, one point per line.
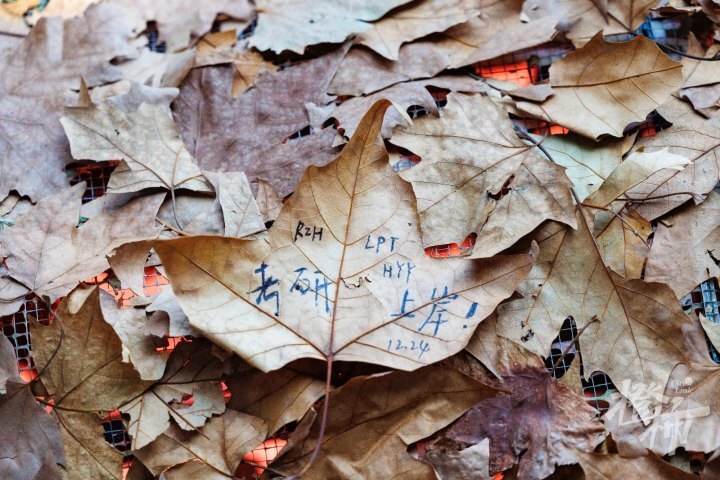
245	134
268	201
584	18
469	156
159	69
32	445
219	48
689	136
211	454
135	331
622	236
498	32
685	248
50	254
605	467
36	76
497	353
587	163
342	276
403	95
638	336
181	21
416	20
712	330
146	141
471	462
294	24
127	96
539	424
191	370
240	211
384	414
698	72
636	168
278	397
74	368
688	416
167	303
603	87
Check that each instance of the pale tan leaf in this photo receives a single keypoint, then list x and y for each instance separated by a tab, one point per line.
403	95
12	295
587	162
497	353
638	335
240	211
159	69
191	370
33	447
294	24
146	141
278	397
342	276
712	330
135	331
166	303
698	72
128	264
50	254
635	169
606	467
471	462
219	48
582	19
416	20
268	201
497	32
692	137
88	454
37	74
686	247
538	423
74	368
603	87
383	414
469	156
220	445
128	95
622	236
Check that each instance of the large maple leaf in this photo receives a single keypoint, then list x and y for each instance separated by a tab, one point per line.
343	275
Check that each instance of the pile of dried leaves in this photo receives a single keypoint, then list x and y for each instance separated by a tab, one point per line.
264	162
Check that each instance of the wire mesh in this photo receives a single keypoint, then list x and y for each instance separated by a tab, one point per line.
96	174
704	300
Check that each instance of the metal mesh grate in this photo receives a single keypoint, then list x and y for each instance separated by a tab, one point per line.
253	463
704	300
598	388
564	341
16	328
96	174
524	67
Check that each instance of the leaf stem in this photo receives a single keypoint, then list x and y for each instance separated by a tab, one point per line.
323	419
625	222
170	227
